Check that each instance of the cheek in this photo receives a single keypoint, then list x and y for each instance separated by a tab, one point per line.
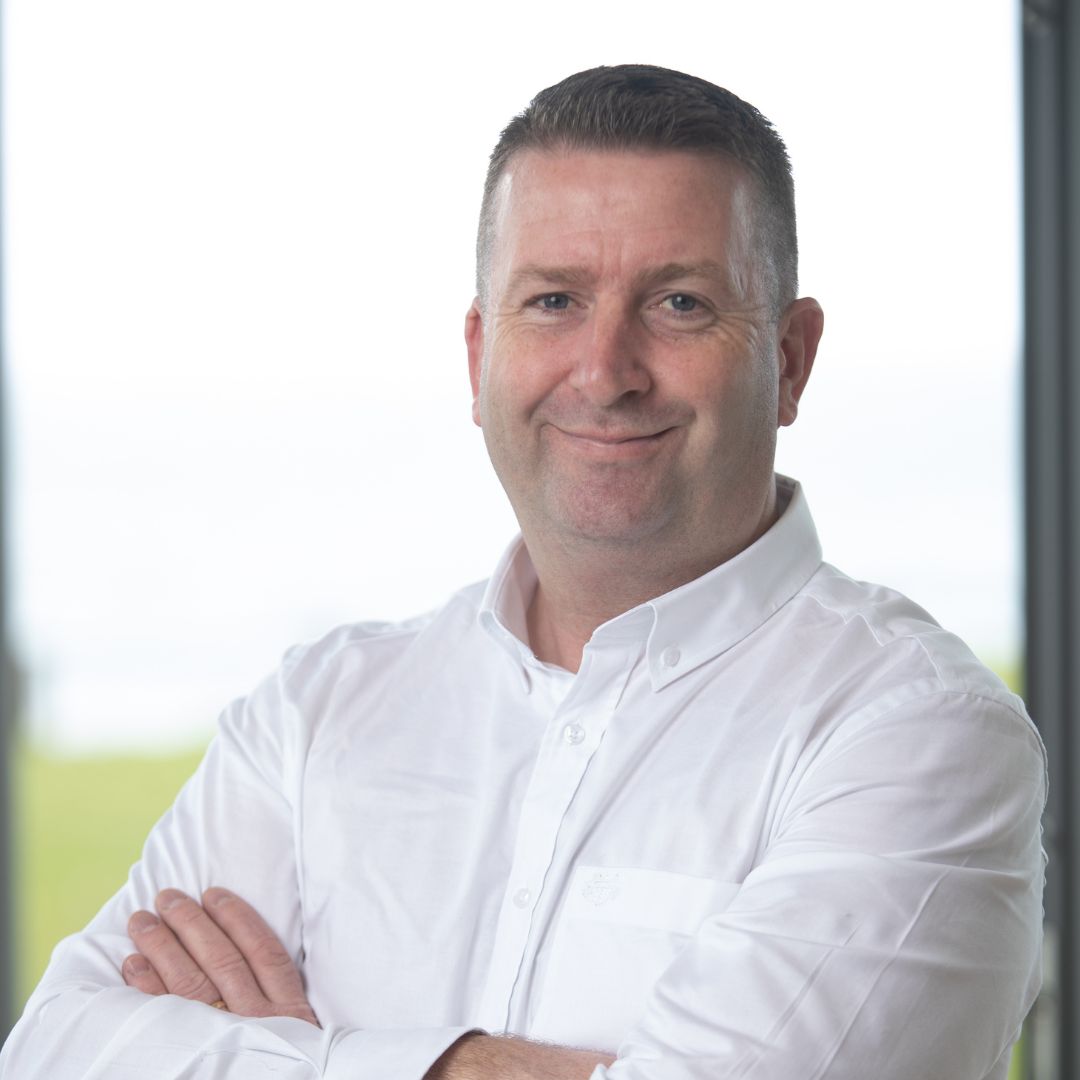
735	411
506	402
521	372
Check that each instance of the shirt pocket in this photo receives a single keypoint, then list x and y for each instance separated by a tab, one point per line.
618	930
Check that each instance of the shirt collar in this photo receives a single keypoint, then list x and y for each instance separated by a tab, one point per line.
707	616
692	624
506	600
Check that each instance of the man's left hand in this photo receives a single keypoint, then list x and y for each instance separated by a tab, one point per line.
220	952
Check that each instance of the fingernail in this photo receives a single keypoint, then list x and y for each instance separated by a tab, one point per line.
142	920
217	897
169	898
136	966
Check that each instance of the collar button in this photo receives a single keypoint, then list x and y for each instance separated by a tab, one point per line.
670	656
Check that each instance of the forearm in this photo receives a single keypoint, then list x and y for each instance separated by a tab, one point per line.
488	1057
116	1031
82	1032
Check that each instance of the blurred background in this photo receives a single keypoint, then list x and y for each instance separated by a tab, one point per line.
237	256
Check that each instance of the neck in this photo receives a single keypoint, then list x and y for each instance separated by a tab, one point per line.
583	585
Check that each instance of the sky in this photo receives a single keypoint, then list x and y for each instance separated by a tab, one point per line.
238	246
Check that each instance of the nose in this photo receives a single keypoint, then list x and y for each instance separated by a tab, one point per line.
609	360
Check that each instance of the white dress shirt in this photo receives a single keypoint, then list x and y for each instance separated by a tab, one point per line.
779	826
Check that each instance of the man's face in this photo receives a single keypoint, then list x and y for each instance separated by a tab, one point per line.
627	369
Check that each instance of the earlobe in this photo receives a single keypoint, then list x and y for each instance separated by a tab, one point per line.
474	344
801	330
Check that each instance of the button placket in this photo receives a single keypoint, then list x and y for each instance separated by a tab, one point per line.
563	758
575	730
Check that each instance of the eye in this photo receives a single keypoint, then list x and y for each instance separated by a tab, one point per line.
555	302
682	302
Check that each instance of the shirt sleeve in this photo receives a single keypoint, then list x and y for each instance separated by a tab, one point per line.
892	927
233	824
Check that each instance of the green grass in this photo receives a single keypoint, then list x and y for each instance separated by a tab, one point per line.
1016	1066
79	824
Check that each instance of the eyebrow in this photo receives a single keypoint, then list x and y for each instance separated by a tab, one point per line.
548	275
707	268
579	275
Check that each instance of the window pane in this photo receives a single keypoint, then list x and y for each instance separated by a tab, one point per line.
239	243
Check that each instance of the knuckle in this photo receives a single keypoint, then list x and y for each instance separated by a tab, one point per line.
142	922
185	912
191	984
271	954
227	963
152	939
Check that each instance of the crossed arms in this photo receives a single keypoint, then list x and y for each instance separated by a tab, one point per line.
887	927
222	953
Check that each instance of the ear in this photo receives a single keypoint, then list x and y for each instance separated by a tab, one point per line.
474	343
800	332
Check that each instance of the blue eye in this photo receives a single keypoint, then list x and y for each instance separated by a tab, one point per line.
682	302
555	302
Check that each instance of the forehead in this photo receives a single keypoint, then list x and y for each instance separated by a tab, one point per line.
576	204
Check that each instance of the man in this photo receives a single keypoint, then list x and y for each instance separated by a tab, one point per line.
668	797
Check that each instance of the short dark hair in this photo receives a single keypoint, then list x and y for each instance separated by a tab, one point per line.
642	107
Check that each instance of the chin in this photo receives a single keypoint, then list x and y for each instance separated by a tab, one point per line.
618	525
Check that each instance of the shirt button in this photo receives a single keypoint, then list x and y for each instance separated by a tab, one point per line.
670	656
574	734
522	898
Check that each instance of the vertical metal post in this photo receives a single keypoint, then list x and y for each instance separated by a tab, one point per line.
1051	88
7	950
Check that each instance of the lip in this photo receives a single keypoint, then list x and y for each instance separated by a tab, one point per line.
615	445
607	438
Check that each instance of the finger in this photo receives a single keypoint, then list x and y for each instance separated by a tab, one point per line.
139	973
220	961
174	965
268	959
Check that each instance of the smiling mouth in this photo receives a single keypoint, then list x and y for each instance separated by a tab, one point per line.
615	444
610	439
